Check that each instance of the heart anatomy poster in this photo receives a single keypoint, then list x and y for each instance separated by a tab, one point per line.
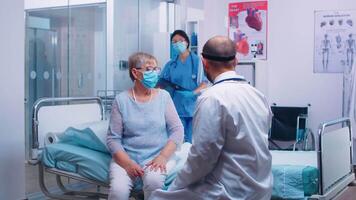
248	29
334	41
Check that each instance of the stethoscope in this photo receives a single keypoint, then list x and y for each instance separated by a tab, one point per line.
231	79
174	64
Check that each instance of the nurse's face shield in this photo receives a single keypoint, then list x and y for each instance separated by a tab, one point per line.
178	38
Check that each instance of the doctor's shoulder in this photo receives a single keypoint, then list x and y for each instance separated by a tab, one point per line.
208	93
209	101
257	92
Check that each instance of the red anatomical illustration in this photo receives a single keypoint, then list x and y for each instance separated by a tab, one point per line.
253	19
243	47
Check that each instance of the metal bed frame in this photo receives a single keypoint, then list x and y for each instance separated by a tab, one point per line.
326	193
107	97
329	192
67	193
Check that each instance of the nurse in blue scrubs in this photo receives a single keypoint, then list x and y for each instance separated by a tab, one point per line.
183	79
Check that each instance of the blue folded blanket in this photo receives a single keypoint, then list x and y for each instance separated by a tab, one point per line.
294	181
79	150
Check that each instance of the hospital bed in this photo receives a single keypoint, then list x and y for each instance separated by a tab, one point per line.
54	115
320	174
68	140
107	97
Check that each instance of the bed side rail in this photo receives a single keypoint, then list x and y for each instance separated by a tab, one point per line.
42	102
334	166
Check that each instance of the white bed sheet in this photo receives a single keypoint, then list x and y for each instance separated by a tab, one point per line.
305	158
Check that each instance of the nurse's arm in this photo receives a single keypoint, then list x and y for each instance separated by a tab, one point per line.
208	141
202	86
164	75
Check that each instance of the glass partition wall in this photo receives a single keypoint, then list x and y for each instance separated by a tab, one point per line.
65	53
81	48
138	25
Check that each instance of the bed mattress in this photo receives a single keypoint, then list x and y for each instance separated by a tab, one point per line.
295	174
295	158
86	162
95	165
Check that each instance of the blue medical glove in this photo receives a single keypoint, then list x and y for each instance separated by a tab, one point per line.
191	94
188	94
185	98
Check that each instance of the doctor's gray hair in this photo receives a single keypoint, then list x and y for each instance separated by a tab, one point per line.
137	60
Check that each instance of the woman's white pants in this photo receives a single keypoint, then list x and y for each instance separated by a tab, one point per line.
121	184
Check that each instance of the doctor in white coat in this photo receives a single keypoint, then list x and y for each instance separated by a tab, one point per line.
229	158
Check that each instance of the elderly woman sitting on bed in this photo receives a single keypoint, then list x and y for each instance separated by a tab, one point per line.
144	131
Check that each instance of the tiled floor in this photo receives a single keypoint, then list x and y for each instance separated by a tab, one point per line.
348	194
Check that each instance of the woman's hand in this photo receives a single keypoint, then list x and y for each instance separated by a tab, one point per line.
158	163
134	170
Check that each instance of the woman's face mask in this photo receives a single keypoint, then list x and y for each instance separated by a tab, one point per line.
150	79
180	47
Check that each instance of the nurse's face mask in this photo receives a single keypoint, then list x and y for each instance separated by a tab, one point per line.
179	47
179	44
149	75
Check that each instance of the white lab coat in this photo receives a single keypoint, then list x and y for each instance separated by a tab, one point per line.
229	158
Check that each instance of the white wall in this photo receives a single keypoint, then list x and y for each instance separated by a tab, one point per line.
291	77
12	114
287	76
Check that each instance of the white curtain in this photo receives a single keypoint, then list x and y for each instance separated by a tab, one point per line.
349	102
350	96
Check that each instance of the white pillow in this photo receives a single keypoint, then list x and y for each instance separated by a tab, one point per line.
100	129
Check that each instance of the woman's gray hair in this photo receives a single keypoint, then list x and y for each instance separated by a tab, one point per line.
137	60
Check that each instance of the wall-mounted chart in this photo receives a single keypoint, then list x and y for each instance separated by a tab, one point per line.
334	41
248	29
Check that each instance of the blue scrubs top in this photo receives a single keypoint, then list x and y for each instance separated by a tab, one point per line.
185	74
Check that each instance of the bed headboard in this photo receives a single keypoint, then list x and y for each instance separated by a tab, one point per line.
57	114
334	153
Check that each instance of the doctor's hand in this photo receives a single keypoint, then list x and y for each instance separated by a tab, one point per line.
134	170
158	163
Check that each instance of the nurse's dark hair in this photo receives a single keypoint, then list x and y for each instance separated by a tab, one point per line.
137	60
183	34
220	46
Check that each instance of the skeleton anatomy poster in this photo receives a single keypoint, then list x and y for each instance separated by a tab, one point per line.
248	29
334	41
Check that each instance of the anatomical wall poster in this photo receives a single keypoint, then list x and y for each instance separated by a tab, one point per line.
334	41
248	29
